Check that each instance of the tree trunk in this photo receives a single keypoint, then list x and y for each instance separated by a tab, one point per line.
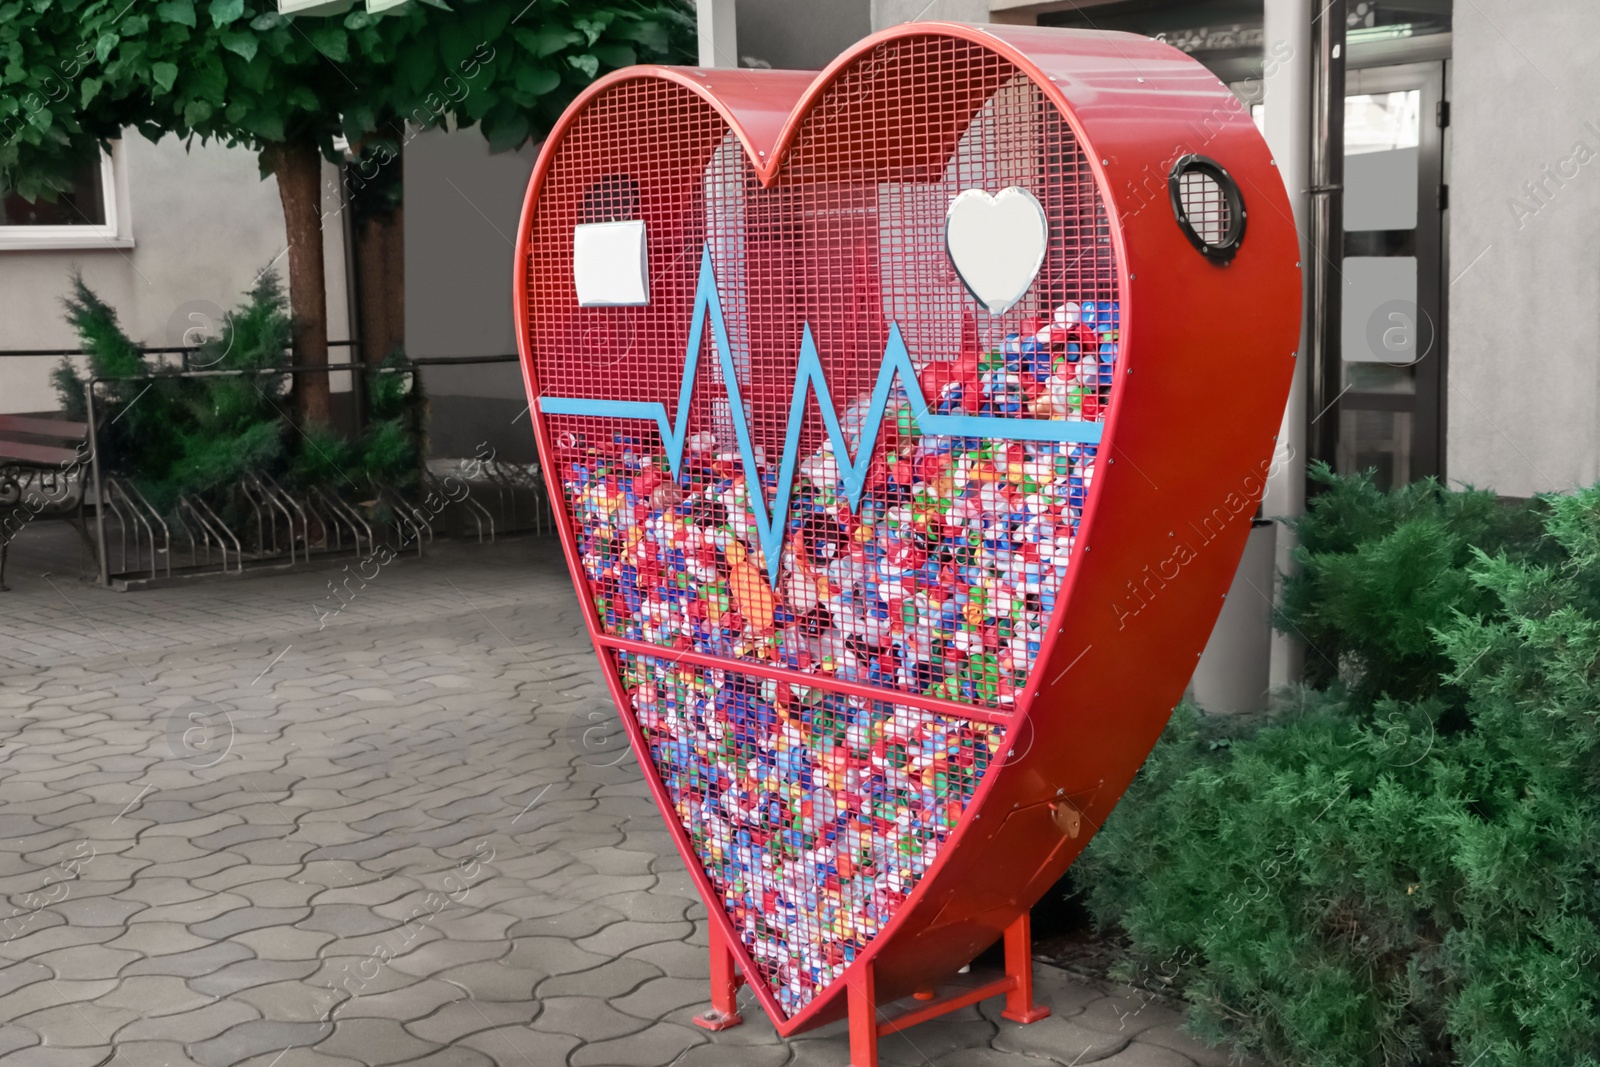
298	166
376	185
381	278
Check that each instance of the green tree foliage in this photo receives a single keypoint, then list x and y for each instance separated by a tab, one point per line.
43	134
512	69
1411	878
288	86
238	71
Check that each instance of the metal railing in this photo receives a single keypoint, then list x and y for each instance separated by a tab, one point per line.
148	350
276	524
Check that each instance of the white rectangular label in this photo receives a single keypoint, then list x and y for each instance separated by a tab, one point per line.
609	264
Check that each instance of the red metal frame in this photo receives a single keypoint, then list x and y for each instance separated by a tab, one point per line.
867	1021
725	983
1188	441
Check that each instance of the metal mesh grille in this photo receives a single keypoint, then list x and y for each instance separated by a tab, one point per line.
934	577
942	581
1205	206
814	815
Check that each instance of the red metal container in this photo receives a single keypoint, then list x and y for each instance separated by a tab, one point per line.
893	579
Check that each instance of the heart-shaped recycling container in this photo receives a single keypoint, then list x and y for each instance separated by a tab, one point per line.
895	594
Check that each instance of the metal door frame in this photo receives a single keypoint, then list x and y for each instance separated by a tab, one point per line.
1426	403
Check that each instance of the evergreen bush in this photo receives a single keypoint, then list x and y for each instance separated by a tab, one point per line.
172	435
1401	866
1380	571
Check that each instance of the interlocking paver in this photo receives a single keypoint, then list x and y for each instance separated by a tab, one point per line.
152	1054
291	1001
494	981
978	1057
306	901
84	1024
418	1000
441	955
257	1036
676	958
459	1018
621	936
587	1018
1169	1036
282	942
239	920
1146	1055
49	993
345	920
660	997
963	1030
158	939
650	906
40	1056
97	911
188	912
614	978
1126	1015
191	963
14	976
251	874
155	995
581	920
374	1042
662	1042
278	892
510	1046
1059	1039
248	973
454	1056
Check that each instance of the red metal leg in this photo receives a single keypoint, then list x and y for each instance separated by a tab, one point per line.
1019	966
725	983
863	1016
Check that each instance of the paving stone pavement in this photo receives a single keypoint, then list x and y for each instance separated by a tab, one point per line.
241	829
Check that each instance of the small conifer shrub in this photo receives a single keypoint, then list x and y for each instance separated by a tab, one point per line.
1401	864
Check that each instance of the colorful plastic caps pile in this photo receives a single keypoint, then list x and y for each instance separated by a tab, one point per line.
814	815
942	583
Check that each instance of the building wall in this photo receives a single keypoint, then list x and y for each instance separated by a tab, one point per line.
886	13
1027	12
462	209
800	36
203	224
1524	301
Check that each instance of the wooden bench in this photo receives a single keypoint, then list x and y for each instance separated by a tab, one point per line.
44	466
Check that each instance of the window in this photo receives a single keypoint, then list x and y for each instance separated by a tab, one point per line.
83	216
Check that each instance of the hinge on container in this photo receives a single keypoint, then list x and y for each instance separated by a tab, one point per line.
1441	113
1444	197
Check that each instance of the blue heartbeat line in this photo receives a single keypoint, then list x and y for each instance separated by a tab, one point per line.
808	374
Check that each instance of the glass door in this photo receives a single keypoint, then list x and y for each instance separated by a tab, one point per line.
1392	318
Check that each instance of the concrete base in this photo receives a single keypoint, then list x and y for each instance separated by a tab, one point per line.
1233	675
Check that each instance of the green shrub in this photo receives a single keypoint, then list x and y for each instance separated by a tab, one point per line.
1402	879
386	453
1381	570
172	435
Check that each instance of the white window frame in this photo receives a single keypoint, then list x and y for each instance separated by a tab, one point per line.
115	232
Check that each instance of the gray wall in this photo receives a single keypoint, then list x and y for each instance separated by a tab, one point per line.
1524	374
462	209
801	34
202	224
887	13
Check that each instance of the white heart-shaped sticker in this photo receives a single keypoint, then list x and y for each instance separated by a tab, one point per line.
996	244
